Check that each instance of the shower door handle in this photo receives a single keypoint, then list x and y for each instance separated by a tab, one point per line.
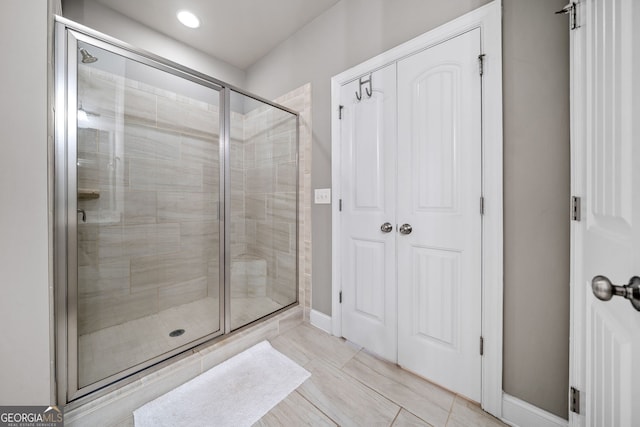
84	215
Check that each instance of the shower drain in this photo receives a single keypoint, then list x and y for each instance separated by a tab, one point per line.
176	333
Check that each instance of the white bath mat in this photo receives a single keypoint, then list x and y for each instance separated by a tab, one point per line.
238	392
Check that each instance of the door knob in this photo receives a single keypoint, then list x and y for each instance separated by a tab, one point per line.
386	227
405	229
604	290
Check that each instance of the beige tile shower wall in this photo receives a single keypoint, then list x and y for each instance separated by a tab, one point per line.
238	237
270	199
151	239
300	100
270	187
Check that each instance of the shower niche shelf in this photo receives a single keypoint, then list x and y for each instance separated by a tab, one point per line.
85	194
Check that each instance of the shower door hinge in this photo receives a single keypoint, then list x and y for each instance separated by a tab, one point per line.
481	63
574	405
340	107
575	208
481	205
481	346
340	297
571	10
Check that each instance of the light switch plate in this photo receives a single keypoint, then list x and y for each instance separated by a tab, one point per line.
323	196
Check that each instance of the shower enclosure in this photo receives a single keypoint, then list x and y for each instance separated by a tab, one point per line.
175	209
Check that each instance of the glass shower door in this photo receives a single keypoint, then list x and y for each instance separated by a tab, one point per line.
144	173
263	168
176	211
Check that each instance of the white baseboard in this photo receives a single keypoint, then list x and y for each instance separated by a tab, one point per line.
519	413
320	321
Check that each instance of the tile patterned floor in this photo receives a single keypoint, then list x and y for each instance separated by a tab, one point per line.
350	387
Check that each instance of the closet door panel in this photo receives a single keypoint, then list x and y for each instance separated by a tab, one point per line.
434	132
368	137
439	190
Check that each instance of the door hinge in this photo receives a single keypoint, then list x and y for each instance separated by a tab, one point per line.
575	208
575	400
340	107
340	205
340	297
481	346
481	205
481	63
571	10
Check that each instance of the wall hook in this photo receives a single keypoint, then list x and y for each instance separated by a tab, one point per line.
368	91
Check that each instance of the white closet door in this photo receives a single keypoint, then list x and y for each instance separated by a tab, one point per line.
439	190
368	179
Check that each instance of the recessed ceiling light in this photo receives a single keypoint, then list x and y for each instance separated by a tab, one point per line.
188	19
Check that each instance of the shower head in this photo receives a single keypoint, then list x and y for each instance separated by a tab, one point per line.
87	58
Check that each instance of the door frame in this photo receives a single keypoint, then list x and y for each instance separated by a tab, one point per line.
577	290
489	19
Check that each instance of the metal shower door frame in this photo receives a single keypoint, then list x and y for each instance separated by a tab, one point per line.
67	35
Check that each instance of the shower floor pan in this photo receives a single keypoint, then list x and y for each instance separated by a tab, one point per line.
111	350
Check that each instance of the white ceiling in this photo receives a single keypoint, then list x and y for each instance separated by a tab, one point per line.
237	31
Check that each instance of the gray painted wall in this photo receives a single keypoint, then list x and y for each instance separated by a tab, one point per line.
536	203
536	193
25	357
349	33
